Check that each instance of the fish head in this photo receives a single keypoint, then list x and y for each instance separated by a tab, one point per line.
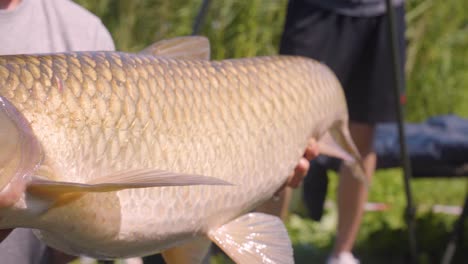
20	153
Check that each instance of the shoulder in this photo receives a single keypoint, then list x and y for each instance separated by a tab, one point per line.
70	12
79	23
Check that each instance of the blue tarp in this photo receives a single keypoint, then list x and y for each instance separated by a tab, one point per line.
437	147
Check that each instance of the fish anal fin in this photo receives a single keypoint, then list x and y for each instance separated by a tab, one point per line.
254	238
188	47
193	252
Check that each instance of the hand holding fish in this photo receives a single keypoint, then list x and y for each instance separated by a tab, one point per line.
311	152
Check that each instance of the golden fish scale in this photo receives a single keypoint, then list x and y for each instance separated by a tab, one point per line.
245	121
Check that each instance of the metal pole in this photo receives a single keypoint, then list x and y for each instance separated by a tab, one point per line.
398	77
200	17
456	234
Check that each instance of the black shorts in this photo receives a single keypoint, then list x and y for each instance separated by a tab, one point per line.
357	49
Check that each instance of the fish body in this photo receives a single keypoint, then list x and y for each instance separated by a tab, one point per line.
101	118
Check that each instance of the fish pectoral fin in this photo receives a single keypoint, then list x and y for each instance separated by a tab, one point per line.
254	238
337	142
60	193
188	47
193	252
142	178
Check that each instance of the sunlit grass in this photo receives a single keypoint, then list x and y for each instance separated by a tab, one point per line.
383	235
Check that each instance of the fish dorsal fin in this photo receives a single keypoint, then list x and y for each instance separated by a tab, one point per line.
254	238
193	252
337	142
190	47
60	192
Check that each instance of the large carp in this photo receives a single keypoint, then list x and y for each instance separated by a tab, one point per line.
114	155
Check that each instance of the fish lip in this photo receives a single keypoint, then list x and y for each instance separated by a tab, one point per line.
21	158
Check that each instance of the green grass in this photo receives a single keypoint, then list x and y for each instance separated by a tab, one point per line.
383	237
437	66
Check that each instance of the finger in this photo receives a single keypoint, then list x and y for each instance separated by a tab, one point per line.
312	150
299	173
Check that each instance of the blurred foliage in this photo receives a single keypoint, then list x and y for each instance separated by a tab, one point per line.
235	28
437	64
437	34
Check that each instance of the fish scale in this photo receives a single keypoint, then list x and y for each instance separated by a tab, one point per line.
245	121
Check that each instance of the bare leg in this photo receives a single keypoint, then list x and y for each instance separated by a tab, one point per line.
352	194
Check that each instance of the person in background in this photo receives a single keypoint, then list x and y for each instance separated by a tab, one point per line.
352	38
44	26
41	26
